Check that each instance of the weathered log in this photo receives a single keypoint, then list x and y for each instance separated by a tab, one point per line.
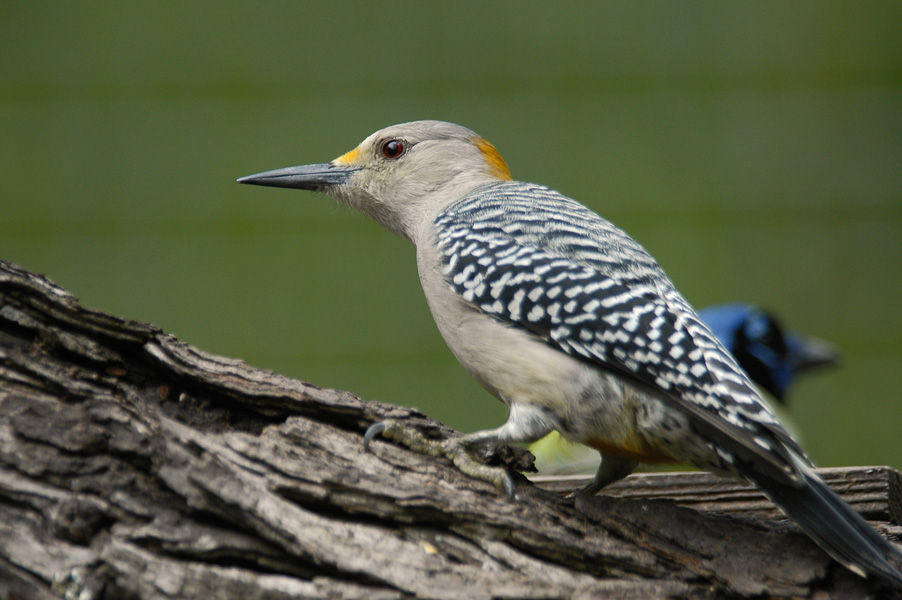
875	492
133	465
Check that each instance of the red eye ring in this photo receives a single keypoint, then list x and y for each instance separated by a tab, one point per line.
393	149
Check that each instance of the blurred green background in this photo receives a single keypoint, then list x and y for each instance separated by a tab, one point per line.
754	148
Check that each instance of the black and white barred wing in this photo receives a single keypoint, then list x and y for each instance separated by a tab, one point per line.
595	293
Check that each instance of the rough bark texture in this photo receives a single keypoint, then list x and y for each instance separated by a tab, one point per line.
875	492
136	466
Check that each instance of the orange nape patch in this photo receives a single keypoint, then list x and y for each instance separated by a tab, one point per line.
497	166
349	158
634	450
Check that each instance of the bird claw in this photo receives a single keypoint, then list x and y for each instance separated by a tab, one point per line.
377	428
587	490
510	486
611	469
590	489
456	449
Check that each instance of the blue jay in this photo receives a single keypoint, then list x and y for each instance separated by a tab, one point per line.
772	357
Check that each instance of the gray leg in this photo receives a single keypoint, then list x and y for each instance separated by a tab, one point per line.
611	469
526	424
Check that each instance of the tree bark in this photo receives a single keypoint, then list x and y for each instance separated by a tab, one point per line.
133	465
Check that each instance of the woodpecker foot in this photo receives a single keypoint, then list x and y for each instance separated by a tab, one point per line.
611	469
458	450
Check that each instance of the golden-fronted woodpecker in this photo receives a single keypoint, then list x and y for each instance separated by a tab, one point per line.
573	325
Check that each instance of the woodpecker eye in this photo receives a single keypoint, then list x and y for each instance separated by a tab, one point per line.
393	148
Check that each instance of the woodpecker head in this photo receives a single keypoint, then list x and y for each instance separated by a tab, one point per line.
400	176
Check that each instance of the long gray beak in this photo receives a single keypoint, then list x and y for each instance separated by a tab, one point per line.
305	177
810	353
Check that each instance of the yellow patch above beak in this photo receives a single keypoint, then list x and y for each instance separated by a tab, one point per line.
349	158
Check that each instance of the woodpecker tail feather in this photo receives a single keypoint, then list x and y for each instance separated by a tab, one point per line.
835	526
